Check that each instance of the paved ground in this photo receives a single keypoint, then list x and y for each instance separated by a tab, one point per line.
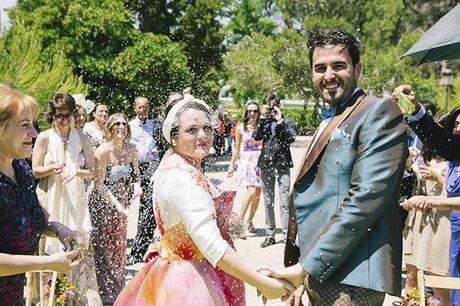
271	257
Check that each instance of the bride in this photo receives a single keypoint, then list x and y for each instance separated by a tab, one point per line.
195	262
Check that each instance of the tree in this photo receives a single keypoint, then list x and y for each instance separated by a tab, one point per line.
20	65
153	67
196	26
99	35
249	16
251	69
154	16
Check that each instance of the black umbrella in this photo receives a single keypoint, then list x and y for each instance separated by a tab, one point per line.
441	41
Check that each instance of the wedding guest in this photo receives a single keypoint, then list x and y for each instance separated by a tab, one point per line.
248	173
22	219
63	158
83	107
116	182
452	187
95	129
142	131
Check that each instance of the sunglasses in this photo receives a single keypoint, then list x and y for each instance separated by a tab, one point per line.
253	110
62	116
119	123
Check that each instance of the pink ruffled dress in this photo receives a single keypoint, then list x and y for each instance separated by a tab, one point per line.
191	216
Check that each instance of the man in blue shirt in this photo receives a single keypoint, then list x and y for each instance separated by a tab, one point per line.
142	131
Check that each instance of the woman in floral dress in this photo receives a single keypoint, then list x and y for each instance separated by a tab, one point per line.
247	151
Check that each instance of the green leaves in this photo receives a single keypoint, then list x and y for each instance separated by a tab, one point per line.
21	65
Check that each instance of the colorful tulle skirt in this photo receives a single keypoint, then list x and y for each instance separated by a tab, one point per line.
162	282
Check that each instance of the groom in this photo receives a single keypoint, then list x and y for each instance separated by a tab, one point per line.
344	205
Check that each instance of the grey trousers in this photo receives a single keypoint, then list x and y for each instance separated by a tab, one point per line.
268	187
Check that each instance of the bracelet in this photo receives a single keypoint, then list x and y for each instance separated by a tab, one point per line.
61	228
450	207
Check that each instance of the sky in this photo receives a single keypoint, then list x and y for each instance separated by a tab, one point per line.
3	16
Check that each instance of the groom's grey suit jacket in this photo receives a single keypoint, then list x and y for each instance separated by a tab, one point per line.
344	205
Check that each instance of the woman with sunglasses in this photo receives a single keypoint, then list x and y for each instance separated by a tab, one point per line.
116	179
62	158
247	172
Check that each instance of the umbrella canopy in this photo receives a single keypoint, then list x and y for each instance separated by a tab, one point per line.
441	41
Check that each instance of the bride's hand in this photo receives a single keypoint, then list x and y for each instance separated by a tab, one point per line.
272	288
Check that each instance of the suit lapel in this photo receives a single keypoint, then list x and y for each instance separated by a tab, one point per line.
326	135
291	253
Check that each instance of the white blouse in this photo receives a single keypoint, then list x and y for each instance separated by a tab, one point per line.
181	199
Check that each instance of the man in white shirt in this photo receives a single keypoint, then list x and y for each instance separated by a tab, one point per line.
142	137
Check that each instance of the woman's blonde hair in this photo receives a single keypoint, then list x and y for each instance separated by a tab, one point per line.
13	103
110	123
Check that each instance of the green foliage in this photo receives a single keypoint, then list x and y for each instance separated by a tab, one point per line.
306	119
115	59
154	16
291	62
250	68
249	16
153	67
181	43
196	26
386	29
21	65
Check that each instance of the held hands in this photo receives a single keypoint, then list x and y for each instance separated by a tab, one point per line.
292	279
294	274
58	167
272	288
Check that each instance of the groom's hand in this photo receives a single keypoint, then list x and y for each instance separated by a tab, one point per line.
296	297
294	274
290	289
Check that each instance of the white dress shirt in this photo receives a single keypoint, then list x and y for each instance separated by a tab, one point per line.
142	138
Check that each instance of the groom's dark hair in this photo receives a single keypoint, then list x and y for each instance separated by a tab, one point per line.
318	38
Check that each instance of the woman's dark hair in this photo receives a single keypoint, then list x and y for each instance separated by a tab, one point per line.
318	38
60	101
246	115
450	122
425	152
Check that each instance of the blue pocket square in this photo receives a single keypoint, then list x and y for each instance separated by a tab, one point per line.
339	134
